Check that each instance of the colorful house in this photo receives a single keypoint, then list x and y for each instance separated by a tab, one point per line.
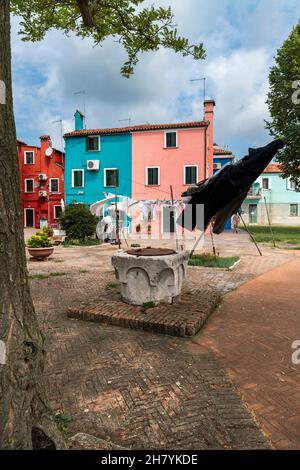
42	182
274	196
222	157
140	162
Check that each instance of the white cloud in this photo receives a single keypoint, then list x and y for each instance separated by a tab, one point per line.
240	38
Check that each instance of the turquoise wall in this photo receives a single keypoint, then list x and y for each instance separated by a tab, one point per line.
115	152
279	193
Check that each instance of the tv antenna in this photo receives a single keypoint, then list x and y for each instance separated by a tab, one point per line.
82	92
128	120
203	79
61	133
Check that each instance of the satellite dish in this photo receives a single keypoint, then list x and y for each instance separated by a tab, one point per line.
49	151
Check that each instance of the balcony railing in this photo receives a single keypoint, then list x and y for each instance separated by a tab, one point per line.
254	193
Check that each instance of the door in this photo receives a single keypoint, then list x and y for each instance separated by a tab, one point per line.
29	217
168	219
252	213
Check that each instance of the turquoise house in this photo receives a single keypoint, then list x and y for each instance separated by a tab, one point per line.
273	196
96	162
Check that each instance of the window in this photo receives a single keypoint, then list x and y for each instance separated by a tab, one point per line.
93	143
29	186
77	179
190	174
291	185
294	210
54	185
57	211
171	139
111	177
265	183
29	158
152	176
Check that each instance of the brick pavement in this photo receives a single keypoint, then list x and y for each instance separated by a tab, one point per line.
89	364
252	333
137	390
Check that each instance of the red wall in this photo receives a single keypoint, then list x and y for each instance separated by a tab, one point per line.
53	167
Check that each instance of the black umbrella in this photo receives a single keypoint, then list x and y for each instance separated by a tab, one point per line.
222	195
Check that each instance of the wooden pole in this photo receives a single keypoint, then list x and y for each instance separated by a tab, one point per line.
250	234
269	221
212	240
116	212
197	243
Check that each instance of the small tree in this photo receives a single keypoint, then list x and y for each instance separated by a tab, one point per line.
284	103
78	222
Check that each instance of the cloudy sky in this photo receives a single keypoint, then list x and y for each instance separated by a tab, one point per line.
240	37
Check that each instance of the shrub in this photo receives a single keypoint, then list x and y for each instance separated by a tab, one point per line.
78	222
39	240
48	231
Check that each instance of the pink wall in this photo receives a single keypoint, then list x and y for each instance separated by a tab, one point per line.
148	150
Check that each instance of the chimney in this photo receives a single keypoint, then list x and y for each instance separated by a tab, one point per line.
45	143
79	120
209	106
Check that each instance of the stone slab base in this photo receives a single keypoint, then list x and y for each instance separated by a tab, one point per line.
184	318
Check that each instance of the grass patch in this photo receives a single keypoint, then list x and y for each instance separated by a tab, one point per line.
146	306
289	235
40	276
112	285
82	243
83	271
208	260
62	420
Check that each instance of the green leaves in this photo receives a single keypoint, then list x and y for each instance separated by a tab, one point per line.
284	103
137	29
78	221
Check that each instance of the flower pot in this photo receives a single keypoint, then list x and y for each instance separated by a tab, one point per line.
40	253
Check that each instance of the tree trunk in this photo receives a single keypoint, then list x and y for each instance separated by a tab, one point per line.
26	420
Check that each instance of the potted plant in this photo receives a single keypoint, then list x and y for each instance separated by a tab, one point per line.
138	228
40	246
149	228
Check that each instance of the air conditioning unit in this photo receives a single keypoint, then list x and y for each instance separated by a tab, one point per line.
217	166
93	165
42	177
43	193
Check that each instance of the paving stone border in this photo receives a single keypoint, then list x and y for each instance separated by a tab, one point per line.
183	318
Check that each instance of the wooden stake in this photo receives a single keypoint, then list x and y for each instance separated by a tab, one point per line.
269	220
250	234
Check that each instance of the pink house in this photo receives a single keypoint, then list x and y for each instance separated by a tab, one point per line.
176	155
172	154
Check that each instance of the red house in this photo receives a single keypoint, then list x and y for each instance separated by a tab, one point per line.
42	182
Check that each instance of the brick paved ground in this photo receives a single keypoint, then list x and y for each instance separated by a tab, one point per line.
145	390
252	334
138	389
